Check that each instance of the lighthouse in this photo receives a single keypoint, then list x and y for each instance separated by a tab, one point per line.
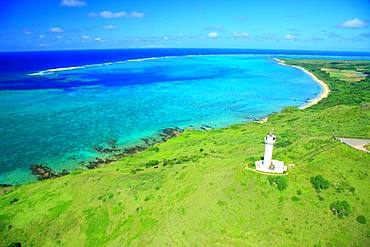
268	164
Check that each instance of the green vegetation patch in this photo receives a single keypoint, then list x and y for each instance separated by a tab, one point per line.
361	219
367	146
295	198
341	209
319	183
279	181
151	163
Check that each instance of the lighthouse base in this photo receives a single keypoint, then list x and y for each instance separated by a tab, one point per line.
276	166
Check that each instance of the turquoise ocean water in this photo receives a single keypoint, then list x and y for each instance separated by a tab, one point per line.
60	123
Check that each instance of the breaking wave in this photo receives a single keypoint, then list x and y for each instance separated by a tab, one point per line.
51	71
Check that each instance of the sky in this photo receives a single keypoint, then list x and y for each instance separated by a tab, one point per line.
336	25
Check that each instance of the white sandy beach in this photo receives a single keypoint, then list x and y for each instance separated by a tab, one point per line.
324	87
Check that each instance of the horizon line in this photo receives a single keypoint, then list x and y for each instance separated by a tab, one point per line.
184	48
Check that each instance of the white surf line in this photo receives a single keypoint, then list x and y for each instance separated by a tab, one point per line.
50	71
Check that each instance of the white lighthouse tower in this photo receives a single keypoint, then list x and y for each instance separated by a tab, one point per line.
268	164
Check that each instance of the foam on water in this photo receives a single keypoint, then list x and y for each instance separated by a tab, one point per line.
50	71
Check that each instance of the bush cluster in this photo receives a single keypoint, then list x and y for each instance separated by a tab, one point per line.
295	199
152	163
341	209
180	160
154	149
281	182
319	183
361	219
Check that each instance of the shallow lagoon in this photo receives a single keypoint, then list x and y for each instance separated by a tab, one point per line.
59	116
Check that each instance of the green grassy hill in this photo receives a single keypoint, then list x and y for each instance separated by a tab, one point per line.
200	193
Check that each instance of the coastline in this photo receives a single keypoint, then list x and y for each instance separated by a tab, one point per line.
113	157
134	189
324	87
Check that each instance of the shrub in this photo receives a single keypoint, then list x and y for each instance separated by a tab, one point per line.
75	172
320	198
319	183
283	143
151	163
295	199
280	182
134	171
341	209
299	192
15	244
180	160
252	165
168	162
361	219
154	149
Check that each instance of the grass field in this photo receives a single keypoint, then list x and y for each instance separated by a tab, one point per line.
200	193
345	75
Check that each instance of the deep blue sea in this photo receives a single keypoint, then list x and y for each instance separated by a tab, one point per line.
55	106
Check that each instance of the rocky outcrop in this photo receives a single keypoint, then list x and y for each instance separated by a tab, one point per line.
44	172
111	147
5	185
148	141
98	162
115	152
168	133
130	151
107	150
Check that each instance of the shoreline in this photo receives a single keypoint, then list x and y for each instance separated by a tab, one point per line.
324	87
103	160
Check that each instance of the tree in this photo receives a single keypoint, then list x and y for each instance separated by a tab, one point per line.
341	209
151	163
361	219
319	183
279	181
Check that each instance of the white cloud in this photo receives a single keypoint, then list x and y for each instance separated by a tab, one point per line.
241	34
59	37
110	27
99	39
290	37
213	35
353	23
73	3
56	30
27	32
42	36
136	14
43	45
86	37
109	14
165	38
